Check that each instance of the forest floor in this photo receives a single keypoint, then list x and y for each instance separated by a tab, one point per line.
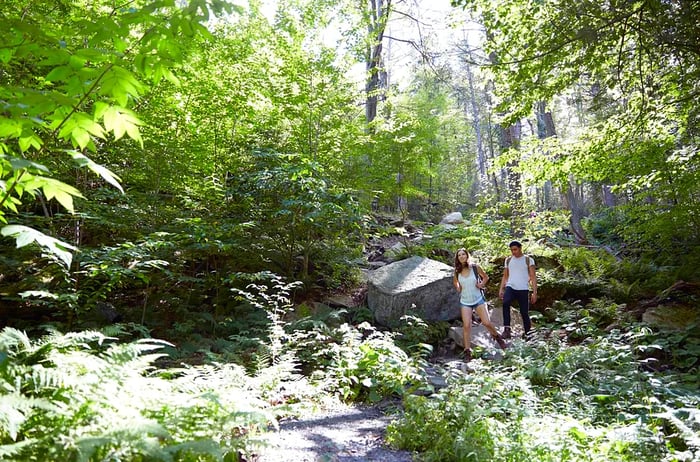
348	433
344	434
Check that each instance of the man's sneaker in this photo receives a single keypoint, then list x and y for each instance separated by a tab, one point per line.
506	332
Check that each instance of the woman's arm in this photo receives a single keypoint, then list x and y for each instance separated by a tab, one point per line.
484	277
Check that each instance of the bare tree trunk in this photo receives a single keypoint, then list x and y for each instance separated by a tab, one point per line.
476	124
573	194
494	179
509	137
545	129
574	200
378	14
609	198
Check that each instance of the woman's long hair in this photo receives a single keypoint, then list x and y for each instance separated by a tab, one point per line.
458	264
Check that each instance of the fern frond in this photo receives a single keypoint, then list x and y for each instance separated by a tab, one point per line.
41	378
128	353
129	438
15	409
206	447
8	451
12	340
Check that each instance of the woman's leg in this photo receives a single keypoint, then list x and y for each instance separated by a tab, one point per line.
483	312
467	326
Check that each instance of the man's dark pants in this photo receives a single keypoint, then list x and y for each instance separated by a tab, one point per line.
523	299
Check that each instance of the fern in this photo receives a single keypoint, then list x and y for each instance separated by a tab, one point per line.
11	339
11	450
15	409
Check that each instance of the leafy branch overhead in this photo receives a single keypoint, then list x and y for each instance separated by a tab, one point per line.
72	75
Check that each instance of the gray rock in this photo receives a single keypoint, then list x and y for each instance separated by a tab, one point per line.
480	337
453	218
416	286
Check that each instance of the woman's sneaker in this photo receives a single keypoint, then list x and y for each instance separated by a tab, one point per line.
467	355
500	341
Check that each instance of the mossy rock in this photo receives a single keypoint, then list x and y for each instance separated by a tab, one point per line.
676	317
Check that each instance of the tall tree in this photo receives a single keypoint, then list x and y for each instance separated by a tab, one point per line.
376	13
641	61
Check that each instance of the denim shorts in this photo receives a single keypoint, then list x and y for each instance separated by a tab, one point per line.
480	302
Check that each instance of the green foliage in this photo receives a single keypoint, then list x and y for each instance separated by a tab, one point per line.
84	396
69	81
417	152
632	94
297	216
417	336
364	364
593	264
680	348
550	402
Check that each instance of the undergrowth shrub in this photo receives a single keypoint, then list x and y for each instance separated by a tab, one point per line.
83	396
367	365
551	402
587	263
417	337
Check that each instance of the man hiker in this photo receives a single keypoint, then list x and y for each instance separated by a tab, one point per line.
518	276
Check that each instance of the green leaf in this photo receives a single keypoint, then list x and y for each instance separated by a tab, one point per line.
24	235
120	120
31	140
105	173
54	189
19	163
10	128
59	73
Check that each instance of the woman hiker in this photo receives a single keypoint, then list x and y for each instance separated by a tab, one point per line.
470	288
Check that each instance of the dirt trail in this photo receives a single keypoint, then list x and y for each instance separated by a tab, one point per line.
351	434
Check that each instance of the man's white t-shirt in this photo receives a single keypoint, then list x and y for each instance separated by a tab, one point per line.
518	275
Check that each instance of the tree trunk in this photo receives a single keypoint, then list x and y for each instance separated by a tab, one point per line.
545	129
509	137
378	14
476	124
574	200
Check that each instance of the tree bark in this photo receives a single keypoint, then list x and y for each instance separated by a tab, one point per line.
378	14
509	137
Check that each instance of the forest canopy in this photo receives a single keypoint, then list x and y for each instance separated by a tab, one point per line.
192	194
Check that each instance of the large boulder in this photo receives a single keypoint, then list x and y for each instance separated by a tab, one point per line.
415	286
454	218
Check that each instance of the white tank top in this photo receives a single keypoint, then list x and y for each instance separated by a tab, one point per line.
471	294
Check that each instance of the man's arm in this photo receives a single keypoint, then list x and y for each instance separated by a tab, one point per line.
504	279
533	283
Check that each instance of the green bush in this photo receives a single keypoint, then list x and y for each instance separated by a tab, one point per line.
366	365
83	396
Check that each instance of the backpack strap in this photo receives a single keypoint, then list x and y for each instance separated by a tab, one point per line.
478	278
476	273
528	260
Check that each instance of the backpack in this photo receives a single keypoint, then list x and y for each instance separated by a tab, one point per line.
478	278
